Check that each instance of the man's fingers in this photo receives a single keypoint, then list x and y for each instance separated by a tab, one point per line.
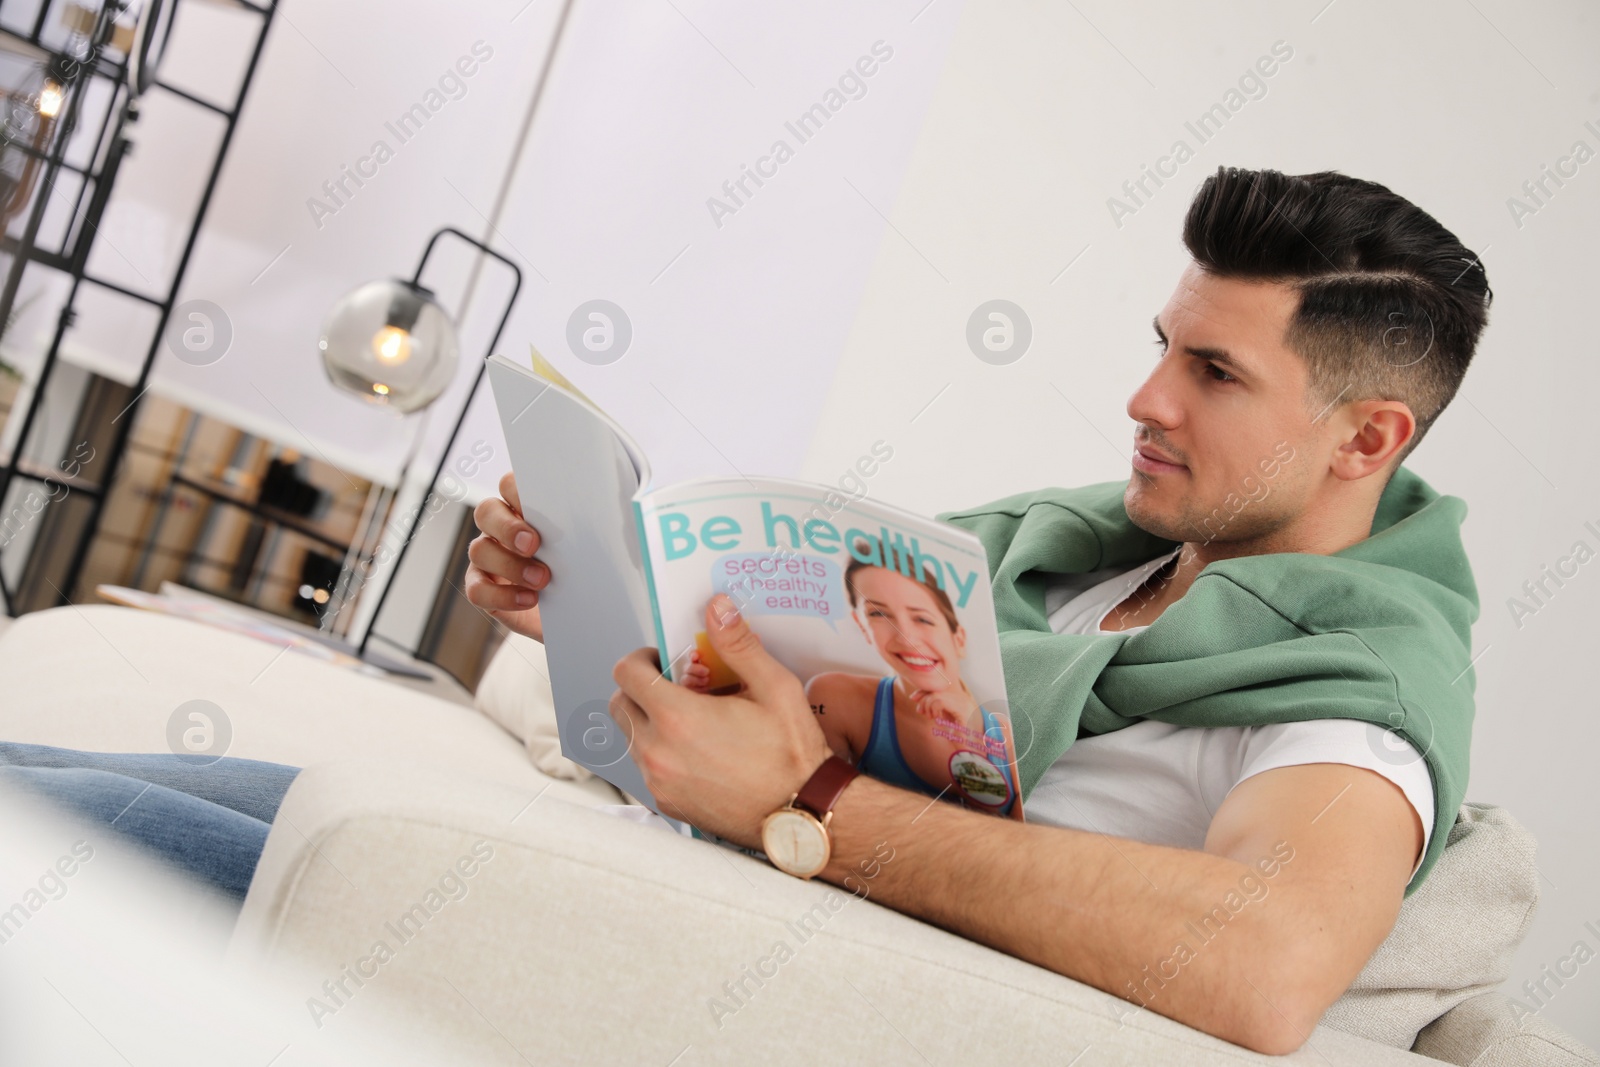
508	490
627	714
636	670
768	680
638	674
497	519
490	555
490	595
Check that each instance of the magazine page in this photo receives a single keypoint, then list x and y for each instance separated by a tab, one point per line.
886	616
577	475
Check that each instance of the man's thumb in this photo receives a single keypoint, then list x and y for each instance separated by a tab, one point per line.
740	649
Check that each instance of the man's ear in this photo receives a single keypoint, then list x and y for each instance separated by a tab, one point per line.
1378	430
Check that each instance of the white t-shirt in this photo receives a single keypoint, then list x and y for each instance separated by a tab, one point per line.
1160	783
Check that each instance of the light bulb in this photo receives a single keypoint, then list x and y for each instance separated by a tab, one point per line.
391	345
50	99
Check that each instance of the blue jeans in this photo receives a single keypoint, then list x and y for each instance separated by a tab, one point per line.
208	819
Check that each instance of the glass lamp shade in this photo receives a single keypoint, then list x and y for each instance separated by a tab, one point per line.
390	343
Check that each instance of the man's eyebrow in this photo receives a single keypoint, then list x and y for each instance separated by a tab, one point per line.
1215	355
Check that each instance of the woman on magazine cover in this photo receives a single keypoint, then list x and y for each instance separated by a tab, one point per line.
918	727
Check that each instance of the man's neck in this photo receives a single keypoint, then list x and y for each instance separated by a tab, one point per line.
1143	605
1168	584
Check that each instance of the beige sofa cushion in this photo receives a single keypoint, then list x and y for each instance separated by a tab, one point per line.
1486	1031
589	939
1455	935
515	692
108	679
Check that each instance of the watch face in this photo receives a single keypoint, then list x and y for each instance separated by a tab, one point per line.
795	842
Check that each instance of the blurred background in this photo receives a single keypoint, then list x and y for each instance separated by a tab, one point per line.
754	235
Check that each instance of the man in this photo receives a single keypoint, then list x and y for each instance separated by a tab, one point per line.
1202	662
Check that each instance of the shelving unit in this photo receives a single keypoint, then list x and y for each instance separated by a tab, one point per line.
186	509
148	509
73	58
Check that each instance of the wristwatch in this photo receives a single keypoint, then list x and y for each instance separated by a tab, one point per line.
796	837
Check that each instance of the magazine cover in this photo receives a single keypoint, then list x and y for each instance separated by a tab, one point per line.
885	616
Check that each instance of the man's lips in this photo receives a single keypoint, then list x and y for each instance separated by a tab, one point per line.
1153	461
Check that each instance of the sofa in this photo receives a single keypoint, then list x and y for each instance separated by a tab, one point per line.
527	925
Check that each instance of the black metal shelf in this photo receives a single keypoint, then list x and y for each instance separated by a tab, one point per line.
223	495
34	472
110	146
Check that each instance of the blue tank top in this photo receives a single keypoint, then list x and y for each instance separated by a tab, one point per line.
883	759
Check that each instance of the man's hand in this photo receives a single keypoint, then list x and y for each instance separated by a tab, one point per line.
720	763
503	578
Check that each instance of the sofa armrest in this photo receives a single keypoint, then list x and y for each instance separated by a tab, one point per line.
521	927
1490	1031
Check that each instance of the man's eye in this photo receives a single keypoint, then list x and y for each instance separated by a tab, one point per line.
1226	377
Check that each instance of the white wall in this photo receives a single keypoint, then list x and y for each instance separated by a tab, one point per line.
1039	117
648	110
737	326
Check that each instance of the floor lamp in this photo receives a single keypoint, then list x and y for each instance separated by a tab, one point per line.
390	343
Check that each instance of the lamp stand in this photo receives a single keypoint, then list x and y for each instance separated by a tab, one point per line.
455	431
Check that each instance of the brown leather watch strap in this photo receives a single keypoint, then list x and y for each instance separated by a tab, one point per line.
822	790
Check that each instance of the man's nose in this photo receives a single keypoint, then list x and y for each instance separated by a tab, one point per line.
1156	401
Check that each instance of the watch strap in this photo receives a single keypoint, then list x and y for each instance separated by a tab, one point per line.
823	789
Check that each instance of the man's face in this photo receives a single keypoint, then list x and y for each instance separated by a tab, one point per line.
1226	402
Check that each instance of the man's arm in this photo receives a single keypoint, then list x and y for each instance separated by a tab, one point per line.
1302	875
1263	954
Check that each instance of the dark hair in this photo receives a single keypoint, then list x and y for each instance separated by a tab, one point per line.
893	562
1391	302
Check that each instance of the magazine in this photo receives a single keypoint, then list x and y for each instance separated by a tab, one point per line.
886	616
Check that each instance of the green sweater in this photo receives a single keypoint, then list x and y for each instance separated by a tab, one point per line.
1381	631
